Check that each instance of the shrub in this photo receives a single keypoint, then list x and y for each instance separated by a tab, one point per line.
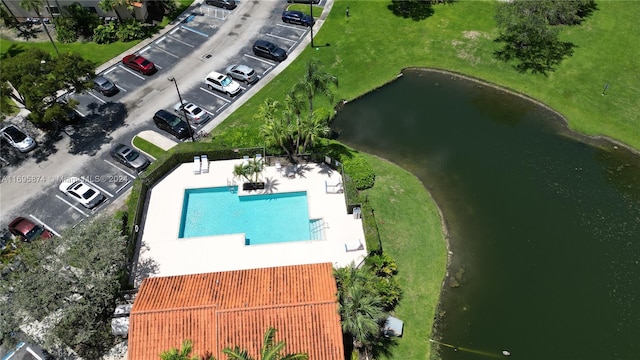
359	170
130	30
66	29
105	34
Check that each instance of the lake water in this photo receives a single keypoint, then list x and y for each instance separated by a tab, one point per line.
545	228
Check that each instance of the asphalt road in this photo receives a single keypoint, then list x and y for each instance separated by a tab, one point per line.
206	39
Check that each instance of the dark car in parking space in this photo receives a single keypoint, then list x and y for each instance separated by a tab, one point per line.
129	157
225	4
139	64
28	231
269	50
172	124
105	86
297	17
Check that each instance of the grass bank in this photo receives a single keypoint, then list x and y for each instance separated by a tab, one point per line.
411	232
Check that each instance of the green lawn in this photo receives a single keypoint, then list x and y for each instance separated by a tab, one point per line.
372	46
147	147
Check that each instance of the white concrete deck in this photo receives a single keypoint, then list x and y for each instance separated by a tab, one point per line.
164	254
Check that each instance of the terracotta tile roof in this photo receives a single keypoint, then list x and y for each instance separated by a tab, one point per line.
232	308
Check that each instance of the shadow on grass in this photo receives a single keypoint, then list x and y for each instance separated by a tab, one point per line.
414	9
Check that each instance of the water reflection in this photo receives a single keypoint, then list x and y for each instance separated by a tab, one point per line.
544	223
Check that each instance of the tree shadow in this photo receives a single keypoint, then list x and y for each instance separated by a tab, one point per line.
13	50
97	128
414	9
271	185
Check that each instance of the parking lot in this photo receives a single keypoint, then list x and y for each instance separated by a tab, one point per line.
106	116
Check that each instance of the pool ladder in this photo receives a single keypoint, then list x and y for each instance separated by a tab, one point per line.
316	227
231	184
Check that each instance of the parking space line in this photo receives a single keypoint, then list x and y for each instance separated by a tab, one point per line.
99	188
166	52
243	88
158	66
116	166
180	41
281	38
292	27
268	69
108	71
45	225
123	186
194	31
145	49
291	47
174	31
97	98
220	108
131	72
160	40
78	111
259	59
33	353
216	95
121	88
73	206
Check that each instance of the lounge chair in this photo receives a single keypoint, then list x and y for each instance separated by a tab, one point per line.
333	186
278	166
196	165
354	245
205	163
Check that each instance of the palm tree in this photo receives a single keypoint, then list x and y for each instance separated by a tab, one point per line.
184	353
362	317
314	127
270	350
275	129
316	82
35	6
248	169
361	309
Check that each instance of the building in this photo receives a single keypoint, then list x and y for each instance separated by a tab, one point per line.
235	308
55	8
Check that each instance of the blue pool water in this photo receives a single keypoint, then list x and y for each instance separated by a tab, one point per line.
265	219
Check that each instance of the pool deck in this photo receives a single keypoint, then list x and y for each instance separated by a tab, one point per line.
162	253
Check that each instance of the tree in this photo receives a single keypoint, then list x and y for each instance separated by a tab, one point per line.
415	9
529	31
270	350
35	6
316	82
275	129
362	316
112	5
38	77
249	169
77	277
183	353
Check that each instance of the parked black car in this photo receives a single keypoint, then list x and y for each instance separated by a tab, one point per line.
269	50
297	17
172	124
126	155
225	4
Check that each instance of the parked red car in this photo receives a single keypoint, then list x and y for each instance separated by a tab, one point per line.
140	64
27	230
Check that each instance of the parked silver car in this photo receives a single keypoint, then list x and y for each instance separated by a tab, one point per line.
81	191
18	138
242	72
194	112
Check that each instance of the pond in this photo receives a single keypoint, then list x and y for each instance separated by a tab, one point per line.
544	223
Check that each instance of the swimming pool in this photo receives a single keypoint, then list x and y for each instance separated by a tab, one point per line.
264	219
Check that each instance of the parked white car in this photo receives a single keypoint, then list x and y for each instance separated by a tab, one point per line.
18	138
194	112
84	193
222	83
